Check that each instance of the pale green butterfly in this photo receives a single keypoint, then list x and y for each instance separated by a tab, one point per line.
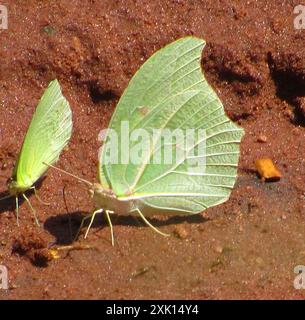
47	135
169	91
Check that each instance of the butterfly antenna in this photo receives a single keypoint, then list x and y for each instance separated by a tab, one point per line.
67	209
80	227
69	174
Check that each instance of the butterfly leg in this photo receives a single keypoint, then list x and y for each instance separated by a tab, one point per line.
38	198
91	221
81	226
33	210
110	225
149	224
17	210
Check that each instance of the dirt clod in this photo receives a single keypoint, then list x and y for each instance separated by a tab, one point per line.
262	139
33	246
181	232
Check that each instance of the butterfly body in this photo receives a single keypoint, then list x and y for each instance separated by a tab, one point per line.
20	183
16	188
107	200
129	205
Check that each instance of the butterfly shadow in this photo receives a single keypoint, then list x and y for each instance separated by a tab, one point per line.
64	227
9	202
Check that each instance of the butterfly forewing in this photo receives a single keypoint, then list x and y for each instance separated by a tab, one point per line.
47	135
171	70
169	92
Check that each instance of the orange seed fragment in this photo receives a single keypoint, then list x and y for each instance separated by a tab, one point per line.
267	169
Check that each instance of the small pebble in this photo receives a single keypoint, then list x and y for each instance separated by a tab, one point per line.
302	253
262	139
54	254
289	114
180	232
218	249
296	131
259	260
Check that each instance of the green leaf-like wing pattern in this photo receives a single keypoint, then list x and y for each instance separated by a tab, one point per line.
170	87
47	135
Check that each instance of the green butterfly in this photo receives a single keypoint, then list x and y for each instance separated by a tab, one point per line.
47	135
169	92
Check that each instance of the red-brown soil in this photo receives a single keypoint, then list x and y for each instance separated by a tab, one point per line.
245	248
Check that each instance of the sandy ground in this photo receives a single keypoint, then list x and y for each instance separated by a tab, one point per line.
246	248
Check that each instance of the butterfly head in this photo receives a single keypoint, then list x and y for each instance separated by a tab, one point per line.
98	191
14	187
107	199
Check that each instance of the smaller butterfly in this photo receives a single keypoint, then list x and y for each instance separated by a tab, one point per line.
47	135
